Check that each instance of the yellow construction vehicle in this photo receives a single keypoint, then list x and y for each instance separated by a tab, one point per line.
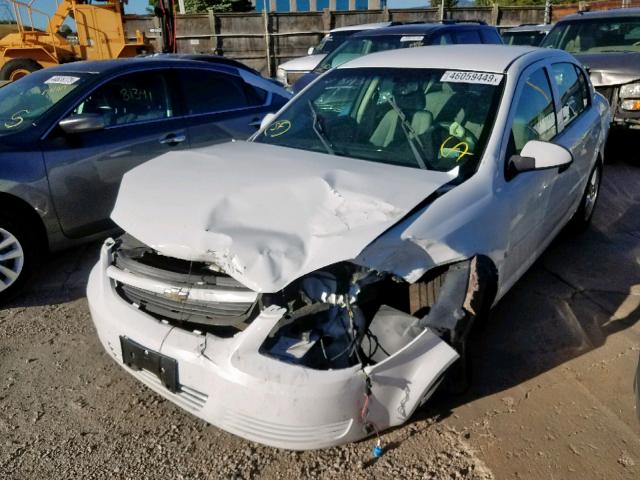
100	35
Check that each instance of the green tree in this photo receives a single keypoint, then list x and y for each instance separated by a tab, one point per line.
202	6
447	3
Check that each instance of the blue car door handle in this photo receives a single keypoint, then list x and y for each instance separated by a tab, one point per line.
173	139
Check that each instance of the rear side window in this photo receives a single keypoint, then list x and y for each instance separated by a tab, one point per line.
467	36
490	36
211	92
443	39
573	98
535	116
132	98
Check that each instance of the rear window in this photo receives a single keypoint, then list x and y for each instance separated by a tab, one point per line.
489	35
467	36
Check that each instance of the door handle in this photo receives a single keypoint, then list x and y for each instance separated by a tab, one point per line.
173	139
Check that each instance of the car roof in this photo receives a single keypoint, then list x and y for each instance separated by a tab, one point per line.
481	58
364	26
123	64
529	28
613	13
417	29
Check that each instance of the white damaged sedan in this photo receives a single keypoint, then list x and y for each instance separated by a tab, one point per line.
313	286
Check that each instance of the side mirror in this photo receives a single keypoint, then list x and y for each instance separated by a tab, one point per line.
266	120
85	122
537	155
311	50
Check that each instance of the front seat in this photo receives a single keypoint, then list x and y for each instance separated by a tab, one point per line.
410	100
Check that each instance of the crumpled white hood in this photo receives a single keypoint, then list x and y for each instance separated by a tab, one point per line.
266	215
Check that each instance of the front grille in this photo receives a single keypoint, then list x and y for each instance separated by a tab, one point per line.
179	290
186	397
221	314
262	430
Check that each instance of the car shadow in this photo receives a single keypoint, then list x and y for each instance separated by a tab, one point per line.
61	277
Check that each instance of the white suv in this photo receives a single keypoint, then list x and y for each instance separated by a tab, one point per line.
289	72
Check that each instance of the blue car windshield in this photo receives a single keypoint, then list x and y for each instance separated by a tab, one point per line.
359	46
24	102
332	41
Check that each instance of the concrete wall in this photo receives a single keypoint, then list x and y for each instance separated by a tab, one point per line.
242	35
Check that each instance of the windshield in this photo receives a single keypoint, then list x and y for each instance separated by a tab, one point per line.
597	35
24	102
332	41
421	118
532	38
357	47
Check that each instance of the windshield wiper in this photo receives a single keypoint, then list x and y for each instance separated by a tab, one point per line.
319	129
409	132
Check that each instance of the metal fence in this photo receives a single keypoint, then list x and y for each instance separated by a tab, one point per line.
264	40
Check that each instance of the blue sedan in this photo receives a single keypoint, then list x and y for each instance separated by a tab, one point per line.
69	133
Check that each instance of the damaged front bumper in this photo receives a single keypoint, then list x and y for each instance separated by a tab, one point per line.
230	383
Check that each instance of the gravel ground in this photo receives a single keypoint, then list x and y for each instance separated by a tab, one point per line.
67	411
551	398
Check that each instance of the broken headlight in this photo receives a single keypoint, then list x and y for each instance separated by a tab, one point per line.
327	315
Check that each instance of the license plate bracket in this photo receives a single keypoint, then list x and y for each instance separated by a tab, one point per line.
137	357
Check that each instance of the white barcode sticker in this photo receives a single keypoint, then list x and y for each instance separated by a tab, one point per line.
62	80
412	38
482	78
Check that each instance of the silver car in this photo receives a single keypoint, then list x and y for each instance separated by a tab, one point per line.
69	133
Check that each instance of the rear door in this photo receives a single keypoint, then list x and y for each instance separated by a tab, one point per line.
220	106
579	125
85	169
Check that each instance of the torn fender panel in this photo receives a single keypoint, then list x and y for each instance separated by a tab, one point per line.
450	229
266	215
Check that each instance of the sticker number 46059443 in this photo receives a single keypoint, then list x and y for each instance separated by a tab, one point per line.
471	77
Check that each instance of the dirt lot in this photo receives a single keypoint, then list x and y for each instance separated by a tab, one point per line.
551	395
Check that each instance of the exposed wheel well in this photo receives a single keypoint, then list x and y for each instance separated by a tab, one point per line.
22	211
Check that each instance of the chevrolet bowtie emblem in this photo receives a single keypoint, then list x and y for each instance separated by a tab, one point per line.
176	294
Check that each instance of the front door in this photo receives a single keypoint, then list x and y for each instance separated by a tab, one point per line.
85	169
527	194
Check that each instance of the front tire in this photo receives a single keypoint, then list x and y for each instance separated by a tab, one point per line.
18	256
582	218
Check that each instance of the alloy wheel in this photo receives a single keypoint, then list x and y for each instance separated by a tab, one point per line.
591	194
11	259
